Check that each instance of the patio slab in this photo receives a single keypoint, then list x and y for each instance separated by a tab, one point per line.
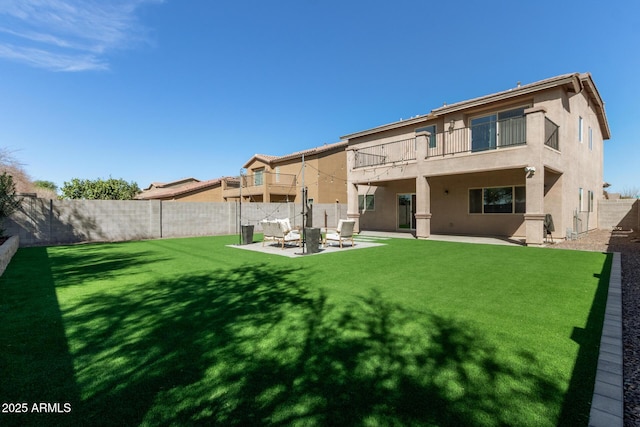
293	251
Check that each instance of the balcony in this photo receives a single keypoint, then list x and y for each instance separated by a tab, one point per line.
261	183
483	136
385	154
551	134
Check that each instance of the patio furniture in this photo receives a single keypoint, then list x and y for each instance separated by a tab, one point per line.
268	230
280	231
548	227
284	234
343	232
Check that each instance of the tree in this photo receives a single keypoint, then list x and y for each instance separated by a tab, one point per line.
99	189
45	185
9	202
630	193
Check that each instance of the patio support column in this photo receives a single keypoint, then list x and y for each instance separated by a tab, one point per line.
423	208
534	173
534	217
352	205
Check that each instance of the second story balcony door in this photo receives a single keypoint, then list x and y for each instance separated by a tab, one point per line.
498	130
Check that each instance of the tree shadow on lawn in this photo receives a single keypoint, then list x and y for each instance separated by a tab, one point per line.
253	346
35	363
76	264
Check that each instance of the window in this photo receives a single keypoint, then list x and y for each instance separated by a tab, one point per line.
590	139
520	200
497	200
258	176
498	130
432	130
580	129
590	195
580	198
277	173
366	202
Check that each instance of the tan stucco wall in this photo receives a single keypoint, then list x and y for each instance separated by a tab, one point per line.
561	173
325	177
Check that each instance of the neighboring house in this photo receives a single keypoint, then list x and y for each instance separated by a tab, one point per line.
493	165
279	178
186	190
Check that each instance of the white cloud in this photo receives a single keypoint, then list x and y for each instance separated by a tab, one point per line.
68	35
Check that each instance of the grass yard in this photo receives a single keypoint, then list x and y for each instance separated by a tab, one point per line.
189	331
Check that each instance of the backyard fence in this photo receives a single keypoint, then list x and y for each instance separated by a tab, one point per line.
621	214
47	222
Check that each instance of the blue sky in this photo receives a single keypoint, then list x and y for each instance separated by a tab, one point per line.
152	90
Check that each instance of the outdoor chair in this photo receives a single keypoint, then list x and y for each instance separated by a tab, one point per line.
343	232
548	227
268	230
282	233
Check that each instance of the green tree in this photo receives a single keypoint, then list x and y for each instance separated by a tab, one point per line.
45	185
99	189
9	202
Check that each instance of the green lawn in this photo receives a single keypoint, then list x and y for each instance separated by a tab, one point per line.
189	331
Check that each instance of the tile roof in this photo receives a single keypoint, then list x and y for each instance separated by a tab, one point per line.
308	152
161	193
171	183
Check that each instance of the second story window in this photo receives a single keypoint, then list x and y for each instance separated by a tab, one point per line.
432	130
580	129
258	176
502	129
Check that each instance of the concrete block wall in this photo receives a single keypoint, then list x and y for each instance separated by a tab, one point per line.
47	222
620	213
7	251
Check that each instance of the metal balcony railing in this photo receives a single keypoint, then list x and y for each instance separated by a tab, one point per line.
388	153
494	135
272	179
486	136
551	134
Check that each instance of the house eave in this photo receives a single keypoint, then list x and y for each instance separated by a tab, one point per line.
572	82
389	126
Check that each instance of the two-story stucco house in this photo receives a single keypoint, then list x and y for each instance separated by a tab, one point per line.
279	178
494	165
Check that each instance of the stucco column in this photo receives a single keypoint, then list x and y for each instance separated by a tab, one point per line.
422	142
534	217
423	208
423	190
352	205
534	172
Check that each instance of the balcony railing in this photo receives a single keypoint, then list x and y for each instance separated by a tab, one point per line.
495	135
486	136
273	179
388	153
551	134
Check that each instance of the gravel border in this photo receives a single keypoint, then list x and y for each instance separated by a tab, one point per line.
627	243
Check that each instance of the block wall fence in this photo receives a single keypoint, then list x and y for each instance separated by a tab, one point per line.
50	222
623	214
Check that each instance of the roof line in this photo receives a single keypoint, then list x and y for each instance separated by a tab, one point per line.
572	79
270	160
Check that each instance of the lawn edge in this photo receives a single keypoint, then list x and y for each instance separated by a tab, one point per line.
607	404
